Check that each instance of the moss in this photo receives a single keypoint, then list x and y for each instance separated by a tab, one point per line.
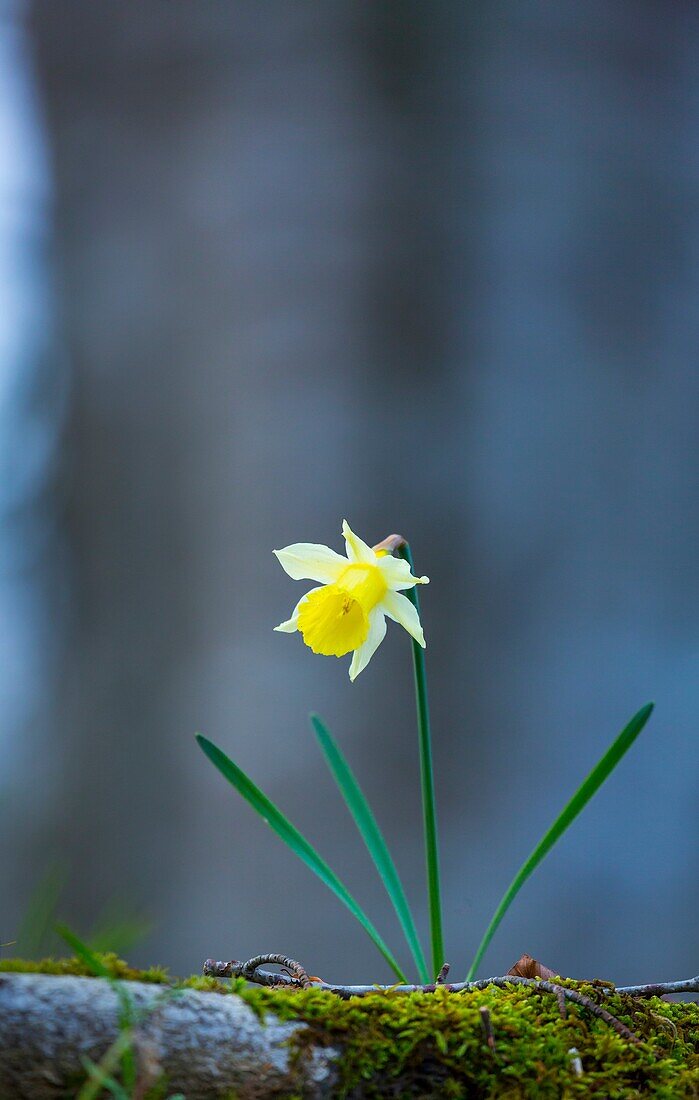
75	967
432	1045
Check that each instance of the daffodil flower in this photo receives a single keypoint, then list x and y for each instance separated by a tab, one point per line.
346	613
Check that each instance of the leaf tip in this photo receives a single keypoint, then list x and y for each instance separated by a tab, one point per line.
318	724
206	746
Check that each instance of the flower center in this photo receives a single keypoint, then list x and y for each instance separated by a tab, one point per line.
335	619
331	622
364	583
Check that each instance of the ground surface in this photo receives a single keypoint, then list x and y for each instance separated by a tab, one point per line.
435	1045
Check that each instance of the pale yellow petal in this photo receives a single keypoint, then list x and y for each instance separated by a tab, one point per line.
356	549
397	573
401	610
377	633
292	624
311	561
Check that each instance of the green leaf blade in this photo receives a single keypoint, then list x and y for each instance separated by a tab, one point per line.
295	841
373	839
83	952
604	767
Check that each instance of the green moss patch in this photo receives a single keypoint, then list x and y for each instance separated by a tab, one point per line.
78	969
433	1045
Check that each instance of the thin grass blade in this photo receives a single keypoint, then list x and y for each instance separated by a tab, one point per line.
35	936
582	796
100	1080
93	1087
118	929
296	842
373	838
83	952
127	1014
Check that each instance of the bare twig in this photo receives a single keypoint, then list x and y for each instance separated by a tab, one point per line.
662	989
487	1028
214	969
235	969
595	1009
442	976
252	972
575	1061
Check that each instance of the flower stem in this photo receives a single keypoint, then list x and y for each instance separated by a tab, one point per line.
429	816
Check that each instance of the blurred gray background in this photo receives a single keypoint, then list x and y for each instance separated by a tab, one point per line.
432	267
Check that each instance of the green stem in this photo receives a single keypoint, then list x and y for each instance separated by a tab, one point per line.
429	815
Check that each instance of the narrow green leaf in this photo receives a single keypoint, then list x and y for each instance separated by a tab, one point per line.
101	1080
34	937
582	796
118	929
99	1074
83	952
294	840
126	1004
372	837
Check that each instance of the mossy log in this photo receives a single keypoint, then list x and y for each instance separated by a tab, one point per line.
201	1044
255	1042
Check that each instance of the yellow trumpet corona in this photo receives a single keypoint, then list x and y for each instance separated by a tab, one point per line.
347	613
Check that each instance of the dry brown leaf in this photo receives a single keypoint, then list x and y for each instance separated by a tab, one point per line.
527	967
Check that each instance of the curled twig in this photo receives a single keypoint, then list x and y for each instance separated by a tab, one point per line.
250	970
294	968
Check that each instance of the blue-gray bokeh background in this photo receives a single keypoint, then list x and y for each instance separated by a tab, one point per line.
433	267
